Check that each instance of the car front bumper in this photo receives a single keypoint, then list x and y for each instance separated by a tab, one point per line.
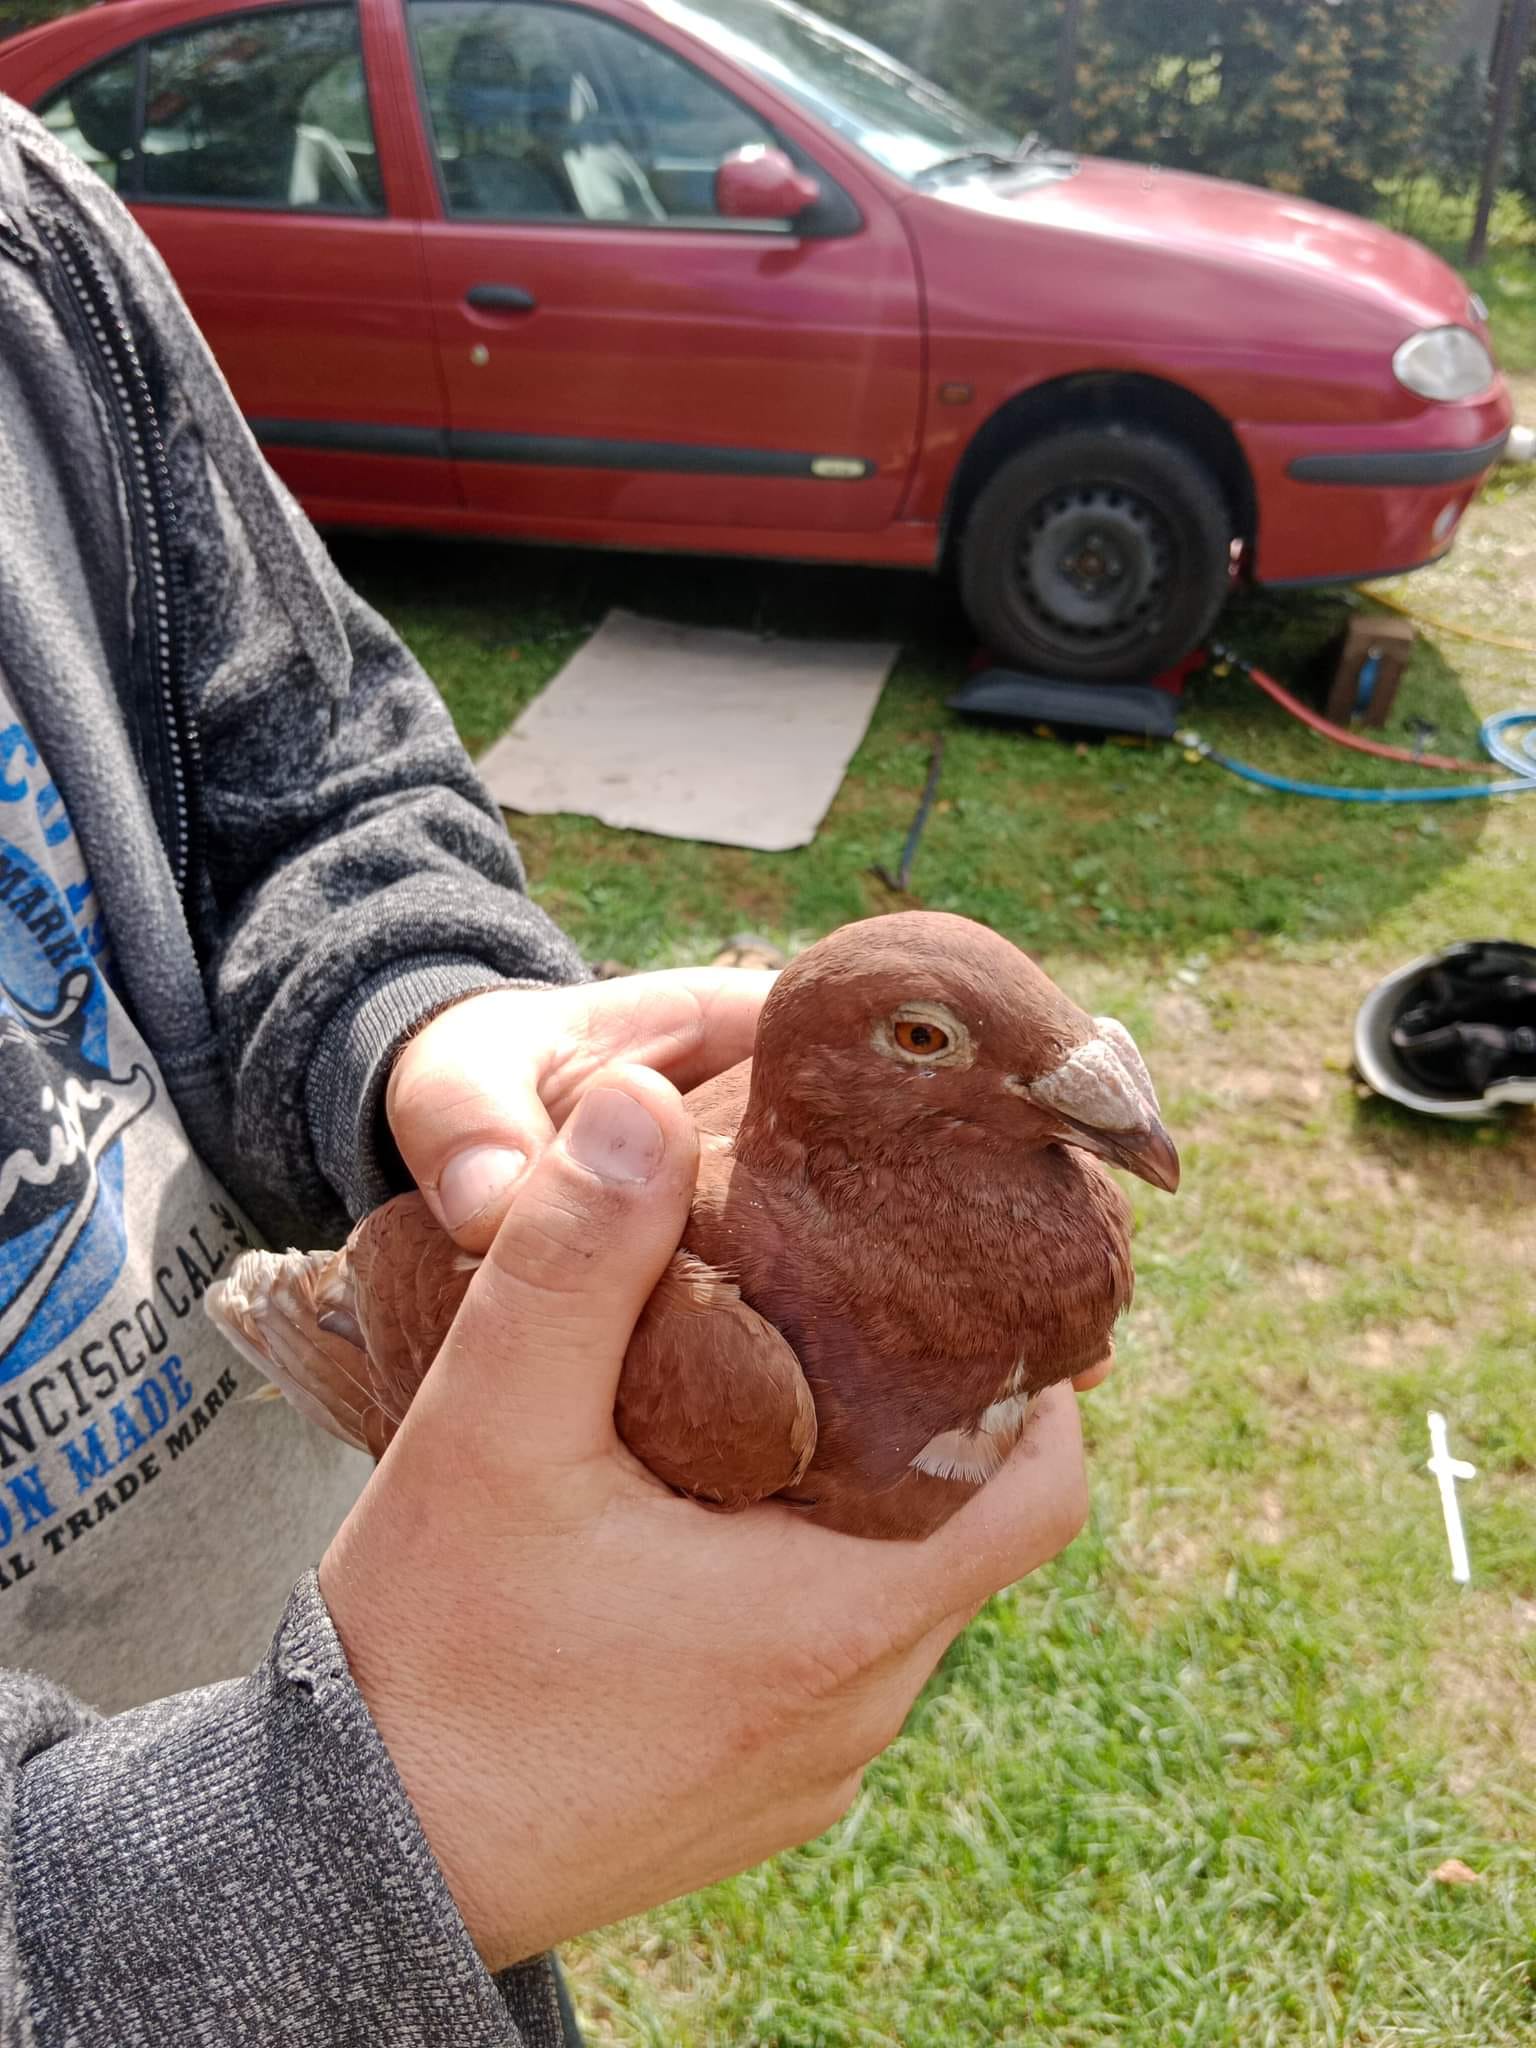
1340	503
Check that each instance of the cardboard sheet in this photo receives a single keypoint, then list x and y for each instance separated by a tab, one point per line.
693	733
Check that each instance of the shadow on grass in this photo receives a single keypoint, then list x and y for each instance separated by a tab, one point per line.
1090	849
1486	1166
577	586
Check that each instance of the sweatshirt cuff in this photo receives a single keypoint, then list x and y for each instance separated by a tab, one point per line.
242	1863
344	1099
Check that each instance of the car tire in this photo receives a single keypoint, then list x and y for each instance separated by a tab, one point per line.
1098	554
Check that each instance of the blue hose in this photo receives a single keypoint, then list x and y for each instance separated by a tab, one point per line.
1519	757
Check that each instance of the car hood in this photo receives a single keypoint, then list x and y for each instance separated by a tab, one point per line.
1207	222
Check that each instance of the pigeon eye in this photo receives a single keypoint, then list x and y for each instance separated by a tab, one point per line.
914	1036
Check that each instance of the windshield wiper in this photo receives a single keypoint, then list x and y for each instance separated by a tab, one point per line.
984	159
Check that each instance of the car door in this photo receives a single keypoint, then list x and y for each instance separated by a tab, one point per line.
248	146
619	360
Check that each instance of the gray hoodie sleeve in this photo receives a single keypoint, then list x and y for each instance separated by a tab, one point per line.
239	1864
358	876
347	873
350	874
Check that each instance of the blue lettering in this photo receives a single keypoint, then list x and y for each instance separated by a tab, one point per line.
170	1372
47	800
130	1437
31	1496
88	1470
5	1525
150	1398
12	739
79	894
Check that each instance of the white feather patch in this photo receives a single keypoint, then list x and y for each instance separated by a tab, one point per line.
975	1454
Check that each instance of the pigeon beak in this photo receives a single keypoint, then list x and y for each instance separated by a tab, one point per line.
1102	1099
1148	1152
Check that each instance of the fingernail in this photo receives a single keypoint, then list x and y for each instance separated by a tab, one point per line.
472	1180
615	1136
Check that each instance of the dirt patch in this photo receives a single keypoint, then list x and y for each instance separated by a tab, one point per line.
1305	1400
1312	1280
1486	1686
1270	1526
1179	1017
1157	1544
1402	1346
1489	578
1146	1352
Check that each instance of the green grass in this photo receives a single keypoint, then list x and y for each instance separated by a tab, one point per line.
1190	1784
1507	282
1202	1830
1077	850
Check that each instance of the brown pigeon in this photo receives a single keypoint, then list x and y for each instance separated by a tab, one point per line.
901	1234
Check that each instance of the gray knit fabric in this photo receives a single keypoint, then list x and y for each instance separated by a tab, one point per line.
239	1863
172	1859
331	859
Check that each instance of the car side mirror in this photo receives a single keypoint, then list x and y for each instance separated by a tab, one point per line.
760	183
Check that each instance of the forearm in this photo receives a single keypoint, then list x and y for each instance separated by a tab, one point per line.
239	1863
359	876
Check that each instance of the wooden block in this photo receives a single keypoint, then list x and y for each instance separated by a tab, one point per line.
1372	656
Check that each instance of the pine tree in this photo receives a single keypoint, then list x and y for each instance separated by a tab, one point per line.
1458	126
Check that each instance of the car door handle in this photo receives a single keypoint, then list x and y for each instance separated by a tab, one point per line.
500	298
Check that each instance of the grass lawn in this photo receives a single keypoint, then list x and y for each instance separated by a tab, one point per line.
1190	1784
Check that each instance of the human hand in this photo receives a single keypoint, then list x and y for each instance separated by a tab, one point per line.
482	1089
597	1694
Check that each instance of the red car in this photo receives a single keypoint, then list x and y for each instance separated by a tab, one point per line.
712	276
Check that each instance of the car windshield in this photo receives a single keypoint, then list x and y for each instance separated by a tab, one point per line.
899	119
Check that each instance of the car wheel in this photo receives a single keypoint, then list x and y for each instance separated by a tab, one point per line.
1098	554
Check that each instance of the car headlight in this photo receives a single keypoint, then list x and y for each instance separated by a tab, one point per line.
1443	363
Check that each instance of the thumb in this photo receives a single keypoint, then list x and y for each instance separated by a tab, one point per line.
536	1350
464	1109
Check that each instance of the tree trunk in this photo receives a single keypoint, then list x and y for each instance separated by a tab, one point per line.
1514	39
1064	117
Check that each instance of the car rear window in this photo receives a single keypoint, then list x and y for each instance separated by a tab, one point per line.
267	110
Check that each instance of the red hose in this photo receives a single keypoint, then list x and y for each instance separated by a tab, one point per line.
1282	696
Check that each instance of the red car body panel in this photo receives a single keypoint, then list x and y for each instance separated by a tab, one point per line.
384	398
1280	316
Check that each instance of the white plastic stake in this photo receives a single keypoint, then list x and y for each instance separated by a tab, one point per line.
1447	1471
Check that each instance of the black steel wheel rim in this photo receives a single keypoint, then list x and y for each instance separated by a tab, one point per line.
1094	566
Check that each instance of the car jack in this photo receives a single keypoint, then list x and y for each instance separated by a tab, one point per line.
1014	697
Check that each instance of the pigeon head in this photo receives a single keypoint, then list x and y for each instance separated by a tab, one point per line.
922	1027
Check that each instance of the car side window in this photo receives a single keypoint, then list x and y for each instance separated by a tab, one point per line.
96	116
264	110
543	112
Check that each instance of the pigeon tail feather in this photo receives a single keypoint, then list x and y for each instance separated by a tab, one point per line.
294	1316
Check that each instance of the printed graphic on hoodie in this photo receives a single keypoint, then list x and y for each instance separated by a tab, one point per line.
111	1230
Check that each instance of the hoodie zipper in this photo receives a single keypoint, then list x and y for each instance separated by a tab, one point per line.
167	739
